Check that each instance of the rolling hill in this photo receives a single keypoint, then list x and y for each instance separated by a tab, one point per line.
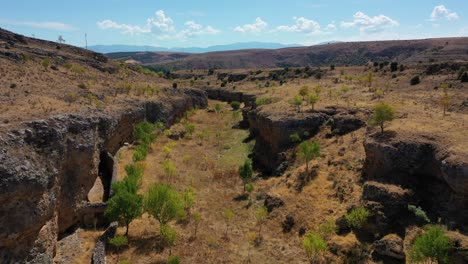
343	53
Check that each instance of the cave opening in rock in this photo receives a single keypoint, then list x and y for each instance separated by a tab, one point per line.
106	171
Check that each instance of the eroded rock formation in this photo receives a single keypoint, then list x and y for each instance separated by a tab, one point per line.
47	168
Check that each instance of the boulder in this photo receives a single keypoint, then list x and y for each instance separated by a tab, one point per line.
390	246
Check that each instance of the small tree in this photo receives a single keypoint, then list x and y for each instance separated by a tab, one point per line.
383	112
249	188
309	150
393	66
464	77
228	216
246	172
174	85
125	205
217	108
314	246
164	203
433	246
296	102
313	99
304	91
261	215
318	90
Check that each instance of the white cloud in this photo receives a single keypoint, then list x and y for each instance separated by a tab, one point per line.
331	27
366	23
58	26
302	25
161	25
258	26
440	12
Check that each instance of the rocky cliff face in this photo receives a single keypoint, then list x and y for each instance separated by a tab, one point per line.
47	168
272	131
421	163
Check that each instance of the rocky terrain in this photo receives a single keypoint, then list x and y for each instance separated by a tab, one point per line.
67	125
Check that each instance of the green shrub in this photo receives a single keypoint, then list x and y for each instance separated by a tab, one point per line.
235	105
173	260
189	129
141	151
415	80
144	132
433	245
357	217
419	213
118	241
262	101
314	245
295	138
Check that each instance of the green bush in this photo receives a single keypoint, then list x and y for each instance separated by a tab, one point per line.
383	112
295	138
262	101
327	228
433	245
141	151
357	217
173	260
314	245
144	132
235	105
118	241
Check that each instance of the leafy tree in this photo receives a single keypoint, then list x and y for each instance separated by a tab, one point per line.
383	112
228	216
246	172
235	105
296	102
304	91
125	205
314	246
309	150
433	246
357	217
261	215
313	99
164	203
393	66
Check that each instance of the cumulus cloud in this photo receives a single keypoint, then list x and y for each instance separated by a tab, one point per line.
440	12
258	26
302	25
161	25
50	25
366	23
331	27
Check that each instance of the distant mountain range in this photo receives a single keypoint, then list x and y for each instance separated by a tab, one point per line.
234	46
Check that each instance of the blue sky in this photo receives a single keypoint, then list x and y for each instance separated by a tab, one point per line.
204	23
